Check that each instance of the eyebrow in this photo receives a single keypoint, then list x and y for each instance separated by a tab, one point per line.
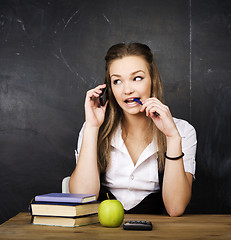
117	75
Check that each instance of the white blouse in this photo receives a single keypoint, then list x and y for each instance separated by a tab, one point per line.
130	183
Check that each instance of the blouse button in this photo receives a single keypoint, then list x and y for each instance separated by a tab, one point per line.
132	177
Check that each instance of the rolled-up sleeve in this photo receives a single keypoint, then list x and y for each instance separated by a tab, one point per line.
189	145
79	143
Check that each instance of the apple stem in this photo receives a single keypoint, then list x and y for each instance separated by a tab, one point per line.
107	196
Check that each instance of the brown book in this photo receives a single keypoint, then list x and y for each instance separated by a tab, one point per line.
65	221
63	209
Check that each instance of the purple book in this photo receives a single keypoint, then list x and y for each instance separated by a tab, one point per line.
66	198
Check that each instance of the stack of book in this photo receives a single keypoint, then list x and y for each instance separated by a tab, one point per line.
64	209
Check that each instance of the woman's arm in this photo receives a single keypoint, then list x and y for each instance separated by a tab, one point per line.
86	177
177	184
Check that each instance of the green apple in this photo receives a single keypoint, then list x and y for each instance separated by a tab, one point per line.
111	213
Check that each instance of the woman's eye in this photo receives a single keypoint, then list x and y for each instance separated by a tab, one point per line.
138	78
115	82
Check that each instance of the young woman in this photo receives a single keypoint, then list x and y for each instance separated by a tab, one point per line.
136	151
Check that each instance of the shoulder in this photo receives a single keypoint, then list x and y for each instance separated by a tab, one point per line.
82	128
181	123
80	137
81	131
184	127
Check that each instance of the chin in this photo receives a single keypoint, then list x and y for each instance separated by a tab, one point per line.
131	112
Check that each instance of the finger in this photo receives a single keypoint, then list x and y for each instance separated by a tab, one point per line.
97	90
101	86
149	101
149	104
94	93
153	103
154	113
150	110
153	99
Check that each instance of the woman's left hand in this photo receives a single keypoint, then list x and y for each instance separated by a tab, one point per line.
164	121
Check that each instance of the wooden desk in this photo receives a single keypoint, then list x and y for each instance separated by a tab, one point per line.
164	227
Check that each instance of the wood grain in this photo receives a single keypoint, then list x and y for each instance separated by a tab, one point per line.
164	227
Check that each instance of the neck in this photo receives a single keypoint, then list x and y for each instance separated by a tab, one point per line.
135	124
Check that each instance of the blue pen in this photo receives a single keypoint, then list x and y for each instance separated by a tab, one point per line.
137	100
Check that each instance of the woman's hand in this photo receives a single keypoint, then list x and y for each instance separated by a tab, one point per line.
94	113
164	121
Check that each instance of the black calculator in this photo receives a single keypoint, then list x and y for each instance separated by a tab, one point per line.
137	225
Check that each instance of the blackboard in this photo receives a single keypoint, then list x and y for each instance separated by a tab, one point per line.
52	52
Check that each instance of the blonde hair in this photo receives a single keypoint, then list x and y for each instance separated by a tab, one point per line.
114	113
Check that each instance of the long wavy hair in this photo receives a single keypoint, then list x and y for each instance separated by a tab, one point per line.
114	113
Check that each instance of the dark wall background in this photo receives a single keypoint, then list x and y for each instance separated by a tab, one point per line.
52	52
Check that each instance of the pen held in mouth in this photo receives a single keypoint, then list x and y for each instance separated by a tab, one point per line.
137	100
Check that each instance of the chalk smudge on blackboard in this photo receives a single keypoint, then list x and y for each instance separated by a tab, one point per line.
21	24
69	67
106	19
68	21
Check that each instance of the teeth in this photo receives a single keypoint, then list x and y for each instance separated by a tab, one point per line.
129	100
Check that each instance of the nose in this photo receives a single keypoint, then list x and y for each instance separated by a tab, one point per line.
128	89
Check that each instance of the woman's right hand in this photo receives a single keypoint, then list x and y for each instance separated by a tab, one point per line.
94	113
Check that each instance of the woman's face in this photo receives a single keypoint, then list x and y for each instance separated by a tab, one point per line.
130	79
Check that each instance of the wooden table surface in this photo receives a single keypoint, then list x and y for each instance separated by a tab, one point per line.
164	227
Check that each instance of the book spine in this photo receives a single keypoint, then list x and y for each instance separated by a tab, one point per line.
58	199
